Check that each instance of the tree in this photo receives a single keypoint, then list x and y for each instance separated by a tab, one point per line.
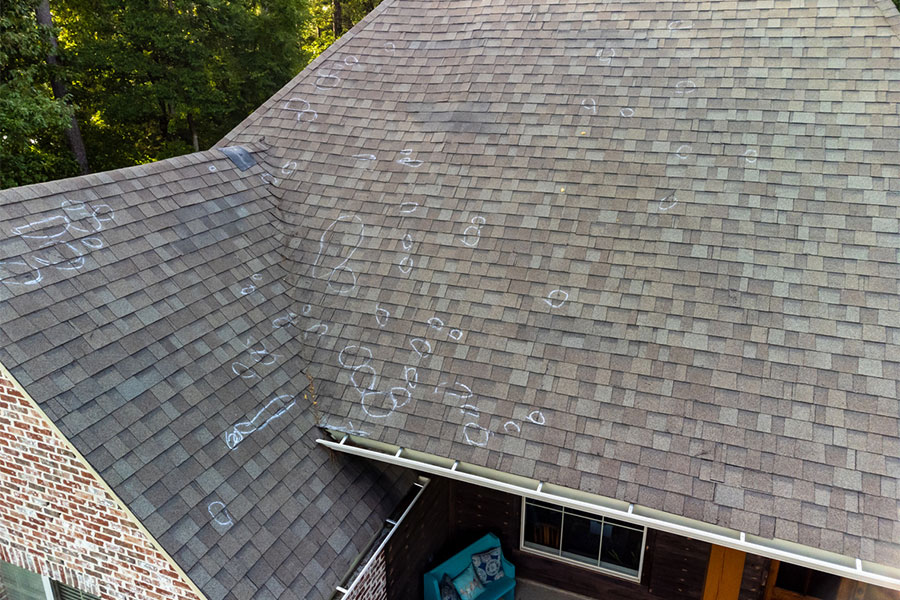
32	121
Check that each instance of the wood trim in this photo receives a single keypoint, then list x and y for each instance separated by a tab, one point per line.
724	573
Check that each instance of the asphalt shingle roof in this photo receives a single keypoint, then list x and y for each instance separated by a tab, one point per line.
147	311
644	249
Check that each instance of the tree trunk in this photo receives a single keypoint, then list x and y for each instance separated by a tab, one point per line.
337	19
73	133
194	140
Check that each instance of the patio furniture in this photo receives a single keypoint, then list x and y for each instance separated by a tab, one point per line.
495	590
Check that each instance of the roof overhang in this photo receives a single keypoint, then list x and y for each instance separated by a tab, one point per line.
813	558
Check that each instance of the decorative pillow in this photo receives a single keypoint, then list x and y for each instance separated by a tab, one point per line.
467	584
488	565
448	592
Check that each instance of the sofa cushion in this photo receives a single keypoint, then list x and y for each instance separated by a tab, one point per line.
467	584
488	565
448	592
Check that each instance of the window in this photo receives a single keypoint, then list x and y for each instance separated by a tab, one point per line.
586	539
21	584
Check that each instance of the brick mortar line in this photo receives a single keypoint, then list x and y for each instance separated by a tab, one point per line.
5	373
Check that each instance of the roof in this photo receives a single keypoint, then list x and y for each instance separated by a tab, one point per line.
647	250
148	312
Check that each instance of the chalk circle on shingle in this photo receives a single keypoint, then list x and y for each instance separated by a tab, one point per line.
683	151
556	298
667	202
220	514
627	112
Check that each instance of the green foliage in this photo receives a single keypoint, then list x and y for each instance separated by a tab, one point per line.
31	120
148	75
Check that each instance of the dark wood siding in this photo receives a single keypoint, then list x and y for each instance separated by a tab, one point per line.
756	571
416	544
674	567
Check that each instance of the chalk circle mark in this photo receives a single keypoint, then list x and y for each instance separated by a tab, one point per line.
589	104
556	298
421	347
476	435
381	316
507	425
537	417
353	357
683	151
680	25
341	278
411	375
435	323
407	208
408	242
667	202
326	77
292	105
685	87
627	112
220	514
750	156
455	335
306	310
606	55
289	167
406	265
212	168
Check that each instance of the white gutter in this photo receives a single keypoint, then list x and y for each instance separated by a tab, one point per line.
805	556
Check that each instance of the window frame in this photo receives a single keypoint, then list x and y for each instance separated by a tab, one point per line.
558	557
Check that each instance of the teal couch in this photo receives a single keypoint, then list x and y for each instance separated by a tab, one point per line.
503	588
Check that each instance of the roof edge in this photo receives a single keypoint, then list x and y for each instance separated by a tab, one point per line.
891	14
6	374
792	552
335	46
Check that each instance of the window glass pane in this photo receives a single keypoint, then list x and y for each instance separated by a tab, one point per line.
581	538
621	549
21	584
542	528
544	504
622	524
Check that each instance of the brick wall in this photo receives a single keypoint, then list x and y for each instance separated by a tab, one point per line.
58	520
372	583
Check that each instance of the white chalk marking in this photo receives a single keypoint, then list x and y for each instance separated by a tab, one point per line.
212	168
456	334
289	319
468	409
556	298
268	178
289	167
683	151
537	417
685	87
435	323
411	382
466	395
319	328
342	287
590	105
514	424
667	202
407	242
301	111
606	55
679	25
627	112
306	310
421	342
406	265
217	511
242	370
276	406
351	352
381	316
484	435
409	162
408	208
325	76
750	156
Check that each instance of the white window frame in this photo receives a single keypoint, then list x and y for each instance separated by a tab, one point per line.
577	563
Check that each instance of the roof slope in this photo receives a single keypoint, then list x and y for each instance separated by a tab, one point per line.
147	310
646	249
